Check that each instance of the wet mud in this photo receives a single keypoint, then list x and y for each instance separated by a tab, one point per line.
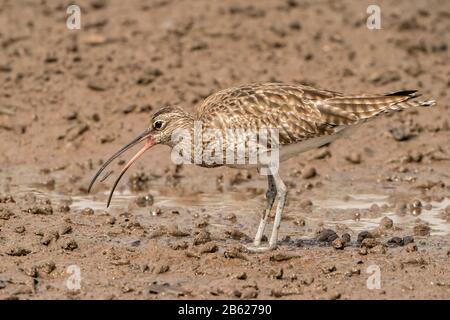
378	200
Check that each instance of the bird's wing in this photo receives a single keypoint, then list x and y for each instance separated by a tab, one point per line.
298	112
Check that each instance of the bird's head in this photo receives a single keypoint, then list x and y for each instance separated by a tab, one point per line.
162	124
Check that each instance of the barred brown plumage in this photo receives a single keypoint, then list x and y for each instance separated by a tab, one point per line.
305	118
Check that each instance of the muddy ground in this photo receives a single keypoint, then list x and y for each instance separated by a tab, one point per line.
69	98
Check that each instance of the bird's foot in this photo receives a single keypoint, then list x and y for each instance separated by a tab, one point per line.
260	249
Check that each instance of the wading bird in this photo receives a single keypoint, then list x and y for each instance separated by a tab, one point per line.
304	117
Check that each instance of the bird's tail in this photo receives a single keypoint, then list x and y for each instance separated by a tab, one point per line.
365	107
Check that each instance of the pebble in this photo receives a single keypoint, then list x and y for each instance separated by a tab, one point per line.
369	243
280	256
378	249
308	173
338	244
163	268
363	251
19	229
180	245
354	158
346	238
65	229
327	235
407	240
395	241
236	234
202	237
97	85
364	235
175	232
69	244
87	211
209	248
45	210
249	293
111	220
421	229
412	247
17	252
241	276
401	134
386	223
145	201
328	269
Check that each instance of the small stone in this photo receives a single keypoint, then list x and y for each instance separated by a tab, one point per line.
175	232
19	229
202	237
6	214
65	229
395	241
308	173
180	245
69	244
250	293
346	238
364	235
145	201
407	240
338	244
46	210
209	248
378	249
363	251
280	256
87	211
17	252
306	203
236	234
422	230
97	85
162	269
412	247
354	158
328	269
241	276
369	243
111	220
327	235
386	223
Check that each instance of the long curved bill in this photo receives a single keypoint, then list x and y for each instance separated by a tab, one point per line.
144	136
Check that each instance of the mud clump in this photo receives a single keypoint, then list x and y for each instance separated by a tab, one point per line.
354	158
386	223
43	210
421	229
17	251
327	235
338	244
364	235
145	201
308	173
202	237
69	244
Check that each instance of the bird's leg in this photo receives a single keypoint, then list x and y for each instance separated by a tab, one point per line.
282	193
270	198
277	187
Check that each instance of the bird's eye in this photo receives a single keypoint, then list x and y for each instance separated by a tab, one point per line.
158	124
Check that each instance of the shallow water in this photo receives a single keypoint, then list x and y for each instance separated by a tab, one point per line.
247	206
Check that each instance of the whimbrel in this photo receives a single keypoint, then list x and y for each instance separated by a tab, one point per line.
304	117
